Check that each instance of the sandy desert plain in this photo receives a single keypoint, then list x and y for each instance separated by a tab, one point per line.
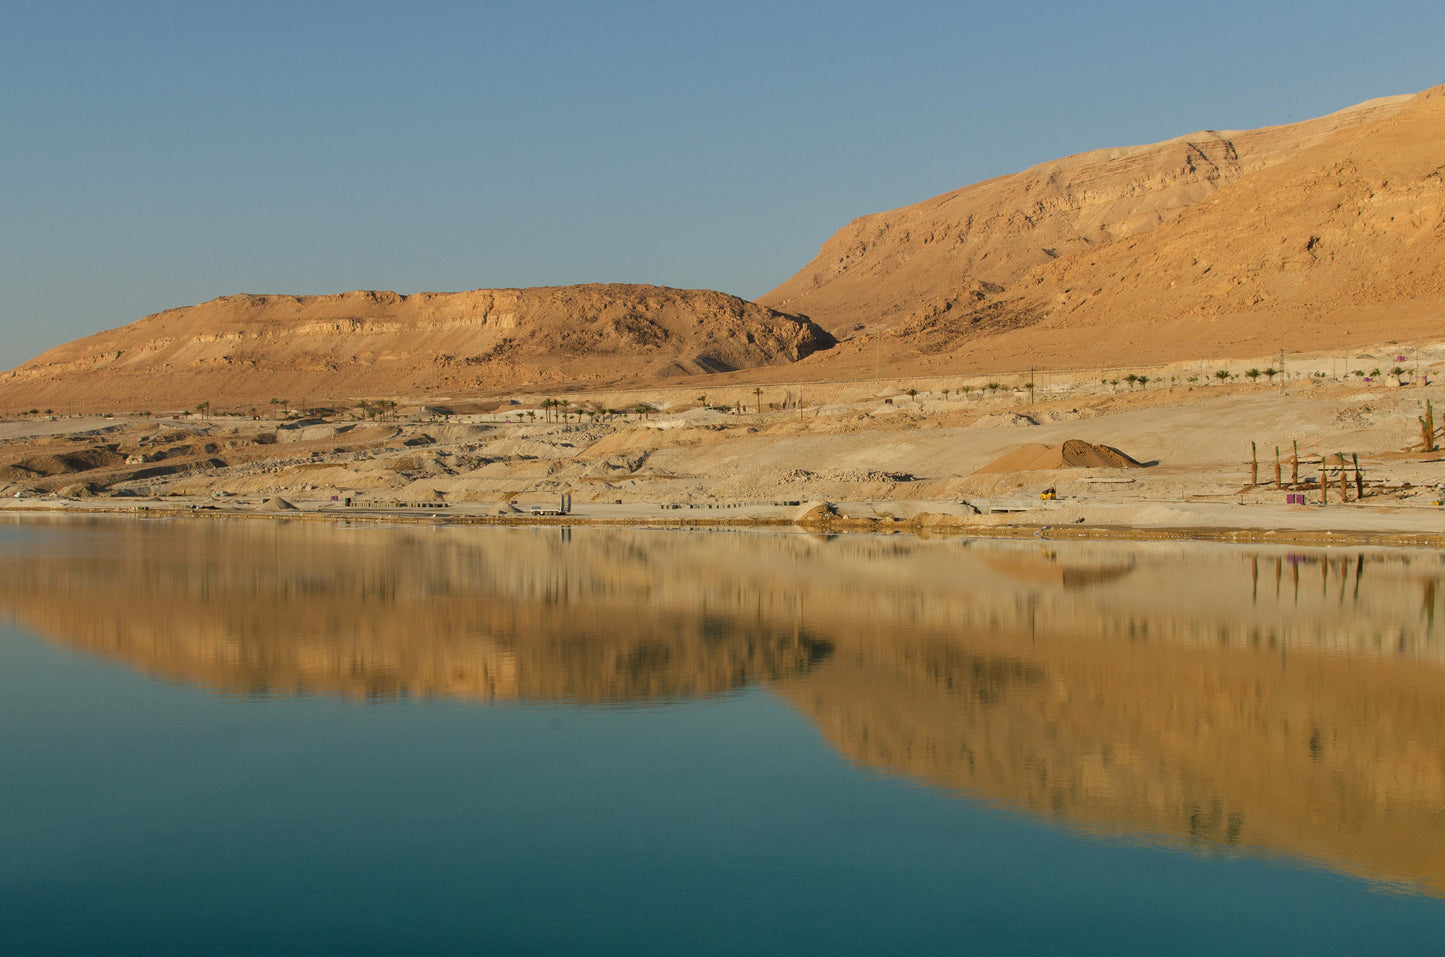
938	456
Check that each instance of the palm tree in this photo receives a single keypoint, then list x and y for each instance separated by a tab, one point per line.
1143	380
1131	378
759	393
1270	373
1253	374
1222	375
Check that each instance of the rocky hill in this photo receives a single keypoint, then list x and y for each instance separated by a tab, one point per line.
1315	235
241	350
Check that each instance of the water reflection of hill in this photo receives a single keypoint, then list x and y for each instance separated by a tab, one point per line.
1291	701
257	608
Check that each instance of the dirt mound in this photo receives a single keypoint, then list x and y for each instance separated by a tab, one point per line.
1078	454
1073	454
242	351
278	504
810	513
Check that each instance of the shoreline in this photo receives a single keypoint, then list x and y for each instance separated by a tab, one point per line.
922	525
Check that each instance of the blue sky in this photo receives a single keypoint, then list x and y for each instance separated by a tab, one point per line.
160	154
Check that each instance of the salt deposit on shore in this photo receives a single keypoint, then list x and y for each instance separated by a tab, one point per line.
1153	460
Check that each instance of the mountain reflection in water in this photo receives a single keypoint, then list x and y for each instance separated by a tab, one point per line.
1285	700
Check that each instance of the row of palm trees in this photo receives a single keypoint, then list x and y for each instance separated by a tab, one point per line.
560	410
381	409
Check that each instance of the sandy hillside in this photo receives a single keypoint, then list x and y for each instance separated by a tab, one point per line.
241	350
1314	235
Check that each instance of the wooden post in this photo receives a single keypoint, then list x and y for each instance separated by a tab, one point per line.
1253	465
1344	481
1294	473
1324	483
1277	482
1359	482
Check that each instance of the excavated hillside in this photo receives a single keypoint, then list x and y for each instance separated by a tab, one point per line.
242	350
1314	235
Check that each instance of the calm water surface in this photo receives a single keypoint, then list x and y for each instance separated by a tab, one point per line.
240	736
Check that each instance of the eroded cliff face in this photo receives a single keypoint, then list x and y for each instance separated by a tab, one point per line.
1305	236
1268	698
241	350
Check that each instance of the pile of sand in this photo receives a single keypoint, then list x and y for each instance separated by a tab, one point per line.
1073	454
277	504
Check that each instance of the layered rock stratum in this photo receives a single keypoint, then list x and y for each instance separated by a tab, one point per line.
244	349
1308	236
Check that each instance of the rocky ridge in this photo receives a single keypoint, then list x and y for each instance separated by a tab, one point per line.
244	349
1306	236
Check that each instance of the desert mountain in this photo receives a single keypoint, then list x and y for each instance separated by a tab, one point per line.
1322	235
1314	235
241	350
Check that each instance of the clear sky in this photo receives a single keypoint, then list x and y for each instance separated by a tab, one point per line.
160	154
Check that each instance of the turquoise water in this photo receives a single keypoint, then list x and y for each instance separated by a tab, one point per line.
143	811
